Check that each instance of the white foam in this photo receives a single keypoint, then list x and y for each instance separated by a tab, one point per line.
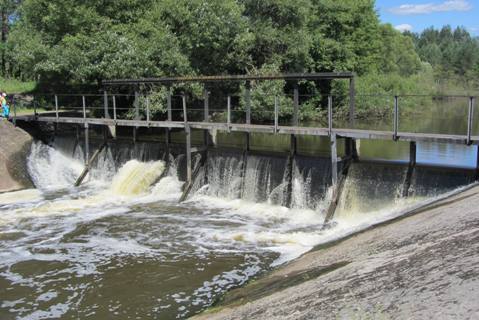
23	196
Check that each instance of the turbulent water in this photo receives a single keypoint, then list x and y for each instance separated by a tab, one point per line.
121	247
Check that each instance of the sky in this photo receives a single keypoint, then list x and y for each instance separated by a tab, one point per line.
417	15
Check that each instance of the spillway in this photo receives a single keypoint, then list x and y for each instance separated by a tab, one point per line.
123	242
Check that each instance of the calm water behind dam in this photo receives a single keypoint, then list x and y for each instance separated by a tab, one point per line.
121	247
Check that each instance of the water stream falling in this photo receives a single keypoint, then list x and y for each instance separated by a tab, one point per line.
122	247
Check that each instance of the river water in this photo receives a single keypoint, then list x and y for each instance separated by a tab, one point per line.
122	247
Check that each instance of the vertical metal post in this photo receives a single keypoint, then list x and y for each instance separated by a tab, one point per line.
296	105
294	145
248	102
188	154
352	101
276	114
207	106
148	110
412	153
330	115
167	143
470	117
248	113
114	108
334	160
105	104
185	115
396	117
168	104
206	96
84	107
56	107
87	144
137	105
228	114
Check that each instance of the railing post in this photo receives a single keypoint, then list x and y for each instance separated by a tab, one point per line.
56	107
276	114
137	105
248	102
396	118
87	143
114	107
296	105
105	104
185	115
84	106
168	104
148	110
207	106
34	107
334	160
188	153
330	115
470	117
228	114
352	101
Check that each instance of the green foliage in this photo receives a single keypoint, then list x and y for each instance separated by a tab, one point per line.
454	54
11	86
70	43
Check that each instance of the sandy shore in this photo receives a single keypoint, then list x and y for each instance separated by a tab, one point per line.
425	266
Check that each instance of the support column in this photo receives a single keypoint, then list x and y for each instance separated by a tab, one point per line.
352	101
396	118
410	170
293	139
334	160
167	145
87	143
137	115
248	113
105	104
188	154
289	191
206	135
470	118
170	118
56	107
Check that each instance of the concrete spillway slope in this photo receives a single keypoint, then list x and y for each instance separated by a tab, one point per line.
14	149
424	266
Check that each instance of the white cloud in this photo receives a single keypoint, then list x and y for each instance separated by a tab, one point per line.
403	27
426	8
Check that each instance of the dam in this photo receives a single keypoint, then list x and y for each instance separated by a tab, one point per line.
173	209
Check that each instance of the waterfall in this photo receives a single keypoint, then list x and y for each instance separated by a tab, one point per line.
136	177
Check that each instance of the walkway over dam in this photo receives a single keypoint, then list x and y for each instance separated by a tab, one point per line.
114	109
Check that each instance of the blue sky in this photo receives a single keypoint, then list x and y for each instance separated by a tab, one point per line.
416	15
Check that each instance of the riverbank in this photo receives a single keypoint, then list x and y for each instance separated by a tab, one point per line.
14	149
422	266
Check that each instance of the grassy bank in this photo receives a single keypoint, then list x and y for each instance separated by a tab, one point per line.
11	86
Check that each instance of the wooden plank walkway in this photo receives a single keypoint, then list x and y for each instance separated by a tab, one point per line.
256	128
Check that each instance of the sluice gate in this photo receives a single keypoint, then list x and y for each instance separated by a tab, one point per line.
201	160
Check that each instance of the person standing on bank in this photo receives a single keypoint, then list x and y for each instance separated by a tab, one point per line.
5	107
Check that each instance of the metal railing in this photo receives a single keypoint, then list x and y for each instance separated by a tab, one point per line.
138	107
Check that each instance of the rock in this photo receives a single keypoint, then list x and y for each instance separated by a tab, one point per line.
14	149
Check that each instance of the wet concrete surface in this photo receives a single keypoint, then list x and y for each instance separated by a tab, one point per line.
424	266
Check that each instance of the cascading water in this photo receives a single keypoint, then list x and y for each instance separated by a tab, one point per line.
71	253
